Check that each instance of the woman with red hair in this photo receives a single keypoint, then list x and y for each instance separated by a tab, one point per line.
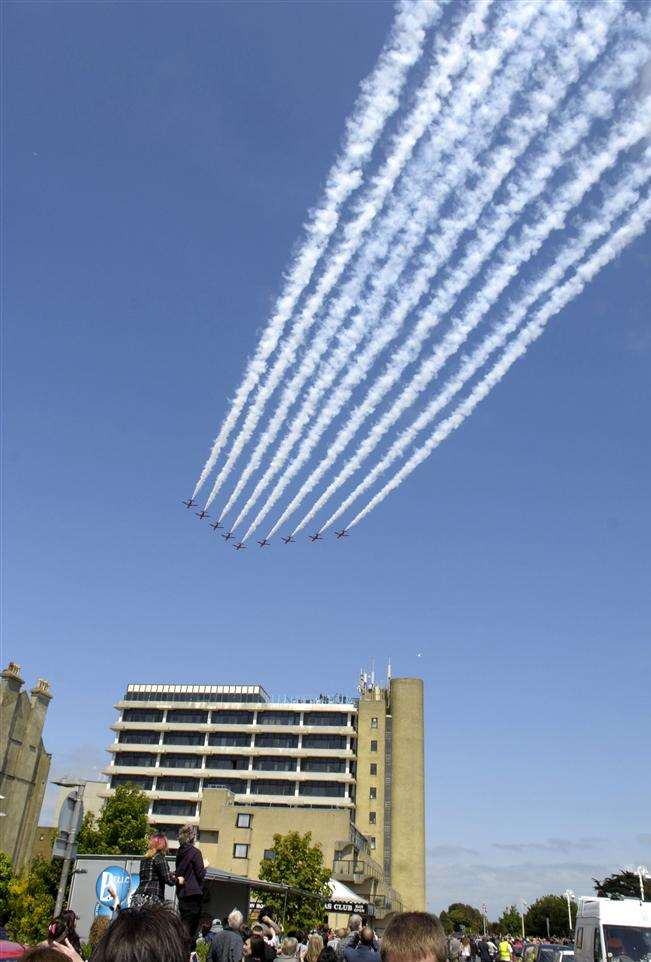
154	874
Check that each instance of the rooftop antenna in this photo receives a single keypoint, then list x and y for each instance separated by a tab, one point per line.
373	672
389	670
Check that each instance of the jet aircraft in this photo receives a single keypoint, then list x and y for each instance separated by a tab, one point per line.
227	536
190	503
289	539
264	543
216	524
316	537
202	514
342	534
239	546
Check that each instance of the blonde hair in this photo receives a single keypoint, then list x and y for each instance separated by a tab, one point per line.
98	929
156	843
314	948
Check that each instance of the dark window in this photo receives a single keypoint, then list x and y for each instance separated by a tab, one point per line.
136	759
333	789
186	716
236	785
272	764
139	738
231	739
324	741
268	786
323	765
372	818
373	722
278	718
168	807
325	718
171	831
373	768
372	792
233	717
231	762
271	740
243	820
269	855
372	841
240	850
373	746
217	698
144	782
176	783
180	761
596	945
142	715
184	738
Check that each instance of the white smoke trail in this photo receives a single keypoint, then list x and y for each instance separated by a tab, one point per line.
556	302
377	102
589	170
413	211
626	196
429	100
619	71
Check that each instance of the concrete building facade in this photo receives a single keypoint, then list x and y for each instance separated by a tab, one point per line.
24	763
243	767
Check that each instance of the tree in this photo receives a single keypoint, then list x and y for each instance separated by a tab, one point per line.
299	863
552	907
459	914
509	922
31	901
626	883
121	828
6	875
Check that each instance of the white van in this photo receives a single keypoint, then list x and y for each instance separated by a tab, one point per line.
611	930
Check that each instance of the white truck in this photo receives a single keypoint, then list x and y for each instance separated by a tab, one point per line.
612	930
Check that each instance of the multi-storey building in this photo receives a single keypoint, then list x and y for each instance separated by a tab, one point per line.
24	763
242	767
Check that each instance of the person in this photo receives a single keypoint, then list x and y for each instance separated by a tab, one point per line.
484	950
265	916
466	949
269	939
153	932
227	944
154	875
504	950
63	928
255	948
329	955
338	935
206	931
314	948
45	953
351	939
413	937
288	949
97	931
454	948
365	951
191	867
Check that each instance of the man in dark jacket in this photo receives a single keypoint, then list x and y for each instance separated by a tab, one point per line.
191	868
366	950
227	945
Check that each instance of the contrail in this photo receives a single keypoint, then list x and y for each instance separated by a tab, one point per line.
557	301
626	196
413	212
377	102
589	170
598	102
429	100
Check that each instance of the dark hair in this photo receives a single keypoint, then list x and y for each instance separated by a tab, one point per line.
411	936
265	910
42	953
142	935
258	947
58	930
328	954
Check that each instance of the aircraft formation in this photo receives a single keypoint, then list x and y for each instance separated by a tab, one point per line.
495	161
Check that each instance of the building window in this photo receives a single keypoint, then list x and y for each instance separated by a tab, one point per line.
374	722
265	786
332	718
265	763
184	738
373	746
180	761
142	715
234	717
168	807
231	762
372	792
332	789
135	760
186	716
269	855
278	718
235	785
240	850
324	741
372	818
323	765
137	781
372	841
176	783
138	738
230	739
243	820
373	768
271	740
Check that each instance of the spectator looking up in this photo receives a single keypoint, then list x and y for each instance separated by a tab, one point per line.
227	944
365	951
191	868
413	937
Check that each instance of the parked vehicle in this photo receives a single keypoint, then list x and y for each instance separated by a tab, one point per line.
613	930
10	951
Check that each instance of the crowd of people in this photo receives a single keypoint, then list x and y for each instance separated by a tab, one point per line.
493	948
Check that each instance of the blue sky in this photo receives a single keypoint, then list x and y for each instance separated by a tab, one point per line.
160	160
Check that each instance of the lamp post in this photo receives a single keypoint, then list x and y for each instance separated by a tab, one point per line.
483	915
524	906
642	873
569	898
72	837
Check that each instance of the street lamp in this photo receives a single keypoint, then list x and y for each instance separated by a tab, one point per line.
70	851
642	873
524	907
569	898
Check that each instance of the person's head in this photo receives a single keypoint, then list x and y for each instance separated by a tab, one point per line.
42	953
187	835
412	937
266	912
156	843
341	933
205	925
140	935
328	955
314	947
366	936
259	929
98	929
59	930
70	918
255	947
235	919
355	923
289	947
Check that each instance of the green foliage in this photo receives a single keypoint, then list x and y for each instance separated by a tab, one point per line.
31	901
6	875
509	922
458	914
202	951
623	883
122	827
298	863
552	907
